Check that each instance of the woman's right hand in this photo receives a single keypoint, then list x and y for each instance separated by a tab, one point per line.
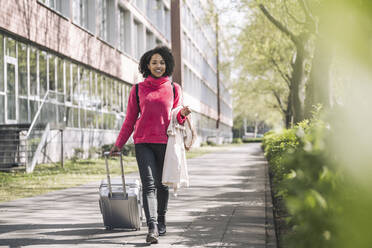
185	111
114	149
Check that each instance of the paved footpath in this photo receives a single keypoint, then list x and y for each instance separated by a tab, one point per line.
228	204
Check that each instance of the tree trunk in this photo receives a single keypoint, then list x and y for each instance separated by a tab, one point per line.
288	112
298	84
318	89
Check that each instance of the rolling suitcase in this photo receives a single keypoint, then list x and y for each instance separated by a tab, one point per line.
121	207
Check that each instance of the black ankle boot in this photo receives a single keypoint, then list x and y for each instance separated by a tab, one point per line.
152	236
162	228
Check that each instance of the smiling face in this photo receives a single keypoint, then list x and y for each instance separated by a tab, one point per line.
157	65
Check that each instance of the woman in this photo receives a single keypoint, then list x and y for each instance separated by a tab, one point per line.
156	99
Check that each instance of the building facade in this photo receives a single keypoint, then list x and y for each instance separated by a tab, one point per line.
80	58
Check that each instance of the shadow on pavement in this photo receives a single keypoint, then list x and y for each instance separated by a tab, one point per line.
233	218
90	233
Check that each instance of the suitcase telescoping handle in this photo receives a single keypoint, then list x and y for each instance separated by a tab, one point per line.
106	155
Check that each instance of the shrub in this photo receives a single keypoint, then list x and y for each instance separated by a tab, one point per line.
277	146
78	154
127	150
237	141
305	178
94	152
211	143
203	144
326	205
106	148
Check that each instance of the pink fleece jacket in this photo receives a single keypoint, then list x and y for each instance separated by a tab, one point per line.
156	102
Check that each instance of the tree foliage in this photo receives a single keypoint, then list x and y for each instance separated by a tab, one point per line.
277	46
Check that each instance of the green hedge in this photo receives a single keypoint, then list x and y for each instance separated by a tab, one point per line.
307	181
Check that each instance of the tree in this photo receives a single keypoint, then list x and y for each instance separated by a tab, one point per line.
289	45
301	42
262	59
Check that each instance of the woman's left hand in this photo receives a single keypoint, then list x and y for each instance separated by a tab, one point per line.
185	111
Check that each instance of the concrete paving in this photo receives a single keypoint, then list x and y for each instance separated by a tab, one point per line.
228	204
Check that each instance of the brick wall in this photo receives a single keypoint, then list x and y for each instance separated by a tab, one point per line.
35	22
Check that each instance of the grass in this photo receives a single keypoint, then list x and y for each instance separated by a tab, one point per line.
50	177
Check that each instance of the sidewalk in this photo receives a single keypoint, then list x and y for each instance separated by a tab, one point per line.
228	204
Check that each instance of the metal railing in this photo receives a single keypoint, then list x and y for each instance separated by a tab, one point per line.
11	152
47	117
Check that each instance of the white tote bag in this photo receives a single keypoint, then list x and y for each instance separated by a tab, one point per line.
175	173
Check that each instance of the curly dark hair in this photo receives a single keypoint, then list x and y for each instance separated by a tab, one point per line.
165	53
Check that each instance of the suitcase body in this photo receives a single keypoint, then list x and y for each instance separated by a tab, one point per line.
120	207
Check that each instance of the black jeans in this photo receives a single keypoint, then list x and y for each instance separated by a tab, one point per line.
150	159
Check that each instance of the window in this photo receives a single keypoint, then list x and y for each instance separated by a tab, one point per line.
150	40
82	118
61	6
61	109
120	92
103	19
68	81
2	94
1	63
167	20
43	73
106	121
33	81
52	72
100	120
78	11
159	15
126	90
23	110
138	41
109	96
99	92
84	87
118	96
83	14
93	87
107	20
90	119
60	80
11	91
33	71
75	117
75	85
22	69
113	94
126	28
150	9
2	108
81	91
104	92
22	82
10	47
69	117
123	29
